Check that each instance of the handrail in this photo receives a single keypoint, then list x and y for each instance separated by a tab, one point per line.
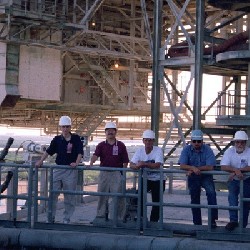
232	102
36	199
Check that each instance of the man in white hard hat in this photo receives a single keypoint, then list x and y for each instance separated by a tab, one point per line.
112	153
69	150
236	160
195	158
150	156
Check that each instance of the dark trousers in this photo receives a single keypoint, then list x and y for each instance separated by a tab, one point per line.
233	195
195	183
154	188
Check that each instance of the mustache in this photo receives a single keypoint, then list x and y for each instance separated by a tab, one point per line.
110	133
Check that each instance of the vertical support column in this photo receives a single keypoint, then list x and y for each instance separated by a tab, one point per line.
237	98
248	79
199	38
132	62
155	99
223	98
74	12
131	84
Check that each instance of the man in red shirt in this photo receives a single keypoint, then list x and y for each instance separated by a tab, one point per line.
112	153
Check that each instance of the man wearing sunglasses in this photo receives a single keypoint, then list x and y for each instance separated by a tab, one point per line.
69	151
195	158
236	160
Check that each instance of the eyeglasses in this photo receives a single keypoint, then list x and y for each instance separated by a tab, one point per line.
196	141
65	126
146	139
240	142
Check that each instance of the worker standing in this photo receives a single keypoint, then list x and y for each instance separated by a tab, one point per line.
69	150
112	153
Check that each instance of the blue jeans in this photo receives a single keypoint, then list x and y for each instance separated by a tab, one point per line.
234	190
195	183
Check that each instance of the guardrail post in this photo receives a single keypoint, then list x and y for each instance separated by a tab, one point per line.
241	203
171	177
9	201
79	187
44	186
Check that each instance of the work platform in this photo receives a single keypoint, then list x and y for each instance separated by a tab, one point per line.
175	222
175	219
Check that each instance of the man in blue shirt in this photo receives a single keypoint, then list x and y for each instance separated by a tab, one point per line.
195	158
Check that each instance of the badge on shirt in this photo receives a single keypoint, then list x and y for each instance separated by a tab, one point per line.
243	163
115	150
69	148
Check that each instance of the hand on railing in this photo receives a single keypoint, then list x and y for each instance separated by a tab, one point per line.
237	173
194	170
73	164
39	163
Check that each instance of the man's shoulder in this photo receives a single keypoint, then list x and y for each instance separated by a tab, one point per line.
101	143
74	135
140	149
229	154
230	150
57	137
157	149
120	143
187	147
206	146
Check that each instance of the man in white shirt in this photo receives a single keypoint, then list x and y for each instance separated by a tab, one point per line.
150	156
236	160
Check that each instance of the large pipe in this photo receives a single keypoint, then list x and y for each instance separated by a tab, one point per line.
51	239
5	151
237	42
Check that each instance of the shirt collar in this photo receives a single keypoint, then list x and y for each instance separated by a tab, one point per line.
201	150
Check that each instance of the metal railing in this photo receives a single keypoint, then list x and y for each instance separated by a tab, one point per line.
232	103
39	194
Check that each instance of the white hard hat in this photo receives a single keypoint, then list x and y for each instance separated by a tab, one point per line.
196	135
240	135
110	125
65	121
148	134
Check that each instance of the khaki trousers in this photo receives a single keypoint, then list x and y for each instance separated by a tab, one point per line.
110	182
